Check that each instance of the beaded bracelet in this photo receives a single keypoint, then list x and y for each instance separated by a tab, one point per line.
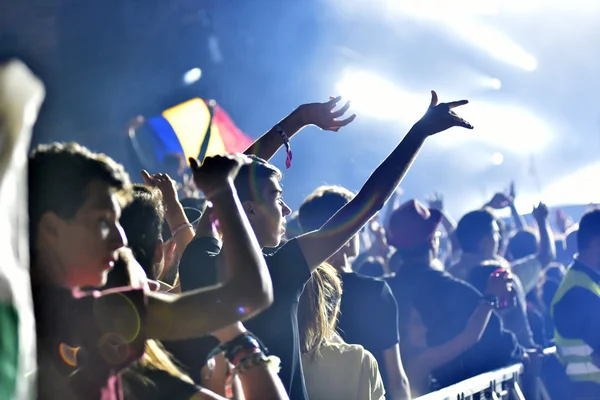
286	143
243	342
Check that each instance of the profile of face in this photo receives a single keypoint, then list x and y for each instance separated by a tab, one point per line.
490	243
83	249
350	250
267	216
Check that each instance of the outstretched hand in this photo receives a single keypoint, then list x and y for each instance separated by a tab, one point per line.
436	201
164	183
440	117
323	114
216	172
500	201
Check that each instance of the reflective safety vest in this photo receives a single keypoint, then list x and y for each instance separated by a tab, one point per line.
575	353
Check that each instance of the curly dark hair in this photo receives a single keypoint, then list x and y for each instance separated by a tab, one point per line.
142	220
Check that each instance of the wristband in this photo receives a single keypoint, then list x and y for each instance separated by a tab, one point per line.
180	227
286	143
243	342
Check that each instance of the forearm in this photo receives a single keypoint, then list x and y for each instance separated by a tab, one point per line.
176	218
440	355
383	182
247	291
319	245
244	260
448	223
205	226
268	144
259	382
262	383
398	384
547	251
200	312
518	219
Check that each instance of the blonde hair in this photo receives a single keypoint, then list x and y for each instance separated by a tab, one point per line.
157	357
319	309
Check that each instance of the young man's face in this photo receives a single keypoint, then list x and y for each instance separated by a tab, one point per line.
268	215
350	250
86	245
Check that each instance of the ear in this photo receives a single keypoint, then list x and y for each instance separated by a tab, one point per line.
249	208
481	244
158	252
50	227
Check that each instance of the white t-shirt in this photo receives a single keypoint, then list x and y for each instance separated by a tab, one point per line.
341	371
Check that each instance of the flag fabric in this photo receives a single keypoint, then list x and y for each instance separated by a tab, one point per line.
21	95
195	128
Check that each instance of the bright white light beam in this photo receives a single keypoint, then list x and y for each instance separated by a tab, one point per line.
379	98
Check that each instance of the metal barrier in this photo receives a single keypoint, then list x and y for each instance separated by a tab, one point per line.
512	383
499	384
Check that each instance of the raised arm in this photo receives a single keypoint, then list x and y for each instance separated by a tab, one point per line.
248	289
547	251
174	214
319	114
501	201
319	245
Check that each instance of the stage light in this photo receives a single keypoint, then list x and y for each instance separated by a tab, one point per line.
379	98
497	158
192	76
493	41
495	84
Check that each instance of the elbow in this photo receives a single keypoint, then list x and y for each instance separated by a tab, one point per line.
254	299
401	389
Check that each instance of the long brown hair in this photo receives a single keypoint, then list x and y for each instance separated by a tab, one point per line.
319	308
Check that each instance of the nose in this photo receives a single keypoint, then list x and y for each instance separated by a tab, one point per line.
285	210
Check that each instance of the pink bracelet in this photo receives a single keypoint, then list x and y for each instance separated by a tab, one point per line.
286	143
179	228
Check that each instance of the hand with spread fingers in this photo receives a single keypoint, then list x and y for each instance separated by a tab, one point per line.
324	116
436	201
440	117
216	172
164	183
